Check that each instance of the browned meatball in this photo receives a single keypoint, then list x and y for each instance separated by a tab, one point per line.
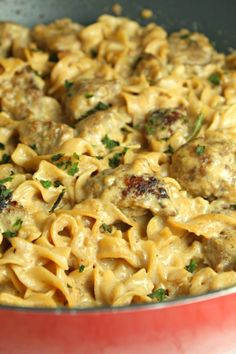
190	48
45	136
84	96
220	252
206	166
20	94
165	122
134	193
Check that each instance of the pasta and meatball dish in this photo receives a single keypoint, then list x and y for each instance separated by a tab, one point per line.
117	164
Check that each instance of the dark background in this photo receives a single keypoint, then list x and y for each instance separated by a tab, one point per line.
216	18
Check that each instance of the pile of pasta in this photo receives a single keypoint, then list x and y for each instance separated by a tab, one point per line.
117	164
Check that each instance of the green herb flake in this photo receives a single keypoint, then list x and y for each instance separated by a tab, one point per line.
215	79
69	286
169	150
5	180
74	169
137	126
56	157
185	36
192	266
57	183
76	156
109	143
81	268
58	201
68	85
197	126
200	149
88	95
33	147
9	233
99	157
5	159
18	223
159	295
115	160
2	146
99	107
106	228
46	183
233	206
102	106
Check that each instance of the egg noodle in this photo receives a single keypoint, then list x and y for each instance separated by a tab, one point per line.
118	164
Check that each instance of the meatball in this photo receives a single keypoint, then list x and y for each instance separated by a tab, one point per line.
21	94
100	124
190	49
81	97
45	136
133	192
220	252
206	166
163	123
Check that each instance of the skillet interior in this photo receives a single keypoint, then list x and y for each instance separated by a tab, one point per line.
213	17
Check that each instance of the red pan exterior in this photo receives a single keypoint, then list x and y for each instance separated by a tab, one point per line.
205	327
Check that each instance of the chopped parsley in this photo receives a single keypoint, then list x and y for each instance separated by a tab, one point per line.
18	223
233	206
33	147
192	266
99	157
185	36
5	180
109	143
57	183
88	95
46	183
158	294
73	169
81	268
169	150
76	156
115	160
200	149
99	107
197	126
58	201
137	126
106	228
68	85
9	233
56	157
5	158
2	146
215	79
